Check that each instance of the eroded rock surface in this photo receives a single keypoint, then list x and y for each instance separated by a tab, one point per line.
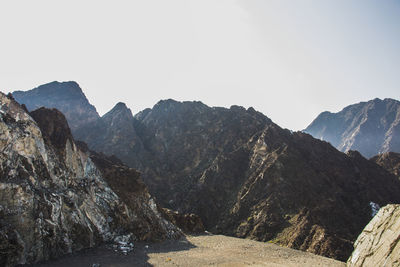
390	161
379	242
53	198
188	223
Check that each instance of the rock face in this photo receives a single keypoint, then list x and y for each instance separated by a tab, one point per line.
390	161
379	242
115	134
67	97
245	176
188	223
369	127
54	199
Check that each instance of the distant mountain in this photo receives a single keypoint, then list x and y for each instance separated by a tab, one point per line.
57	198
67	97
245	176
369	127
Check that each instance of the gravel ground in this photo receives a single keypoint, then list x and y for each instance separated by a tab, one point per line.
203	250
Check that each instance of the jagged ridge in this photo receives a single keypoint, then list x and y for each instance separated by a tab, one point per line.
370	127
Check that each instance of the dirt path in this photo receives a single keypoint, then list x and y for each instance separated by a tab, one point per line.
205	250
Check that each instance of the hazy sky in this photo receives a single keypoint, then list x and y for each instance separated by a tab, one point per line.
290	60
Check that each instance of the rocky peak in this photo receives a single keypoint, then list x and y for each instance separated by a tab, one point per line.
67	97
370	127
121	111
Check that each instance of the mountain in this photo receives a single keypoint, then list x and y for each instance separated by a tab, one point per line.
390	161
67	97
247	177
114	134
57	198
378	244
369	127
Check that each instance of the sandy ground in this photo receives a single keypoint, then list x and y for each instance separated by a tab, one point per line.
204	250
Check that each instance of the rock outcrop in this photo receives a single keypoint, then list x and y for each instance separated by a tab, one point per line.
67	97
379	242
188	223
369	127
390	161
53	198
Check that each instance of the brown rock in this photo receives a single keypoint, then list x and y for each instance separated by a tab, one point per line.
188	223
390	161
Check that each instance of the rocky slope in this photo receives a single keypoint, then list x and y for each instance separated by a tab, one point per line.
53	197
64	96
245	176
114	134
390	161
379	242
369	127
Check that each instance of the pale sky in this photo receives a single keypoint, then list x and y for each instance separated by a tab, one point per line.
290	60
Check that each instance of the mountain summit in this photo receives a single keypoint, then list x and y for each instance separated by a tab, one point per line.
67	97
370	127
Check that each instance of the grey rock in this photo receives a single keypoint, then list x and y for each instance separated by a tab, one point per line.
369	127
379	242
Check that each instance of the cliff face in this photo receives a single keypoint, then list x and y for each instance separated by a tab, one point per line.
53	198
369	127
379	242
67	97
390	161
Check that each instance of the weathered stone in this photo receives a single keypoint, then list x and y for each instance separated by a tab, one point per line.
379	242
188	223
53	198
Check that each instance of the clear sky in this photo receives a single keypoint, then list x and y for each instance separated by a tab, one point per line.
290	60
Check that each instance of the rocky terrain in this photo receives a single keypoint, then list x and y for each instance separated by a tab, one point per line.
67	97
379	242
200	250
245	176
390	161
55	200
369	127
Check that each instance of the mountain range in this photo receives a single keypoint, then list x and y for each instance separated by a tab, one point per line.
240	172
371	127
